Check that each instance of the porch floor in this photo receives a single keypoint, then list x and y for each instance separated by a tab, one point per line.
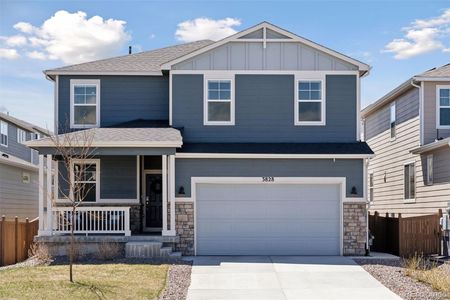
107	238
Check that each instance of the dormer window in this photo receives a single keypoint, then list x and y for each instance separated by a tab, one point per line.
219	102
84	103
443	107
310	102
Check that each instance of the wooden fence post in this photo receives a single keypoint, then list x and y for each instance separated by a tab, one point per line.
2	241
16	239
27	233
400	237
440	234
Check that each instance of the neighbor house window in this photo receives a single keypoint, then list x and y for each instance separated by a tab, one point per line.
21	136
430	169
392	119
85	176
443	107
219	102
410	182
371	187
310	104
85	103
4	133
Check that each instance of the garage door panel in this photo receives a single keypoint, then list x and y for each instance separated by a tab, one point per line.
268	219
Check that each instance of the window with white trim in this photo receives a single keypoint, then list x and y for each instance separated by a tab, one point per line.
309	104
85	176
85	100
392	122
370	187
443	107
410	181
430	169
4	133
219	102
21	136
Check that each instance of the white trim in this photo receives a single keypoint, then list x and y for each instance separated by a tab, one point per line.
422	112
91	82
393	105
322	101
112	144
410	200
432	146
419	78
278	180
272	156
206	100
314	74
48	195
95	161
439	106
358	109
138	172
184	200
98	73
370	187
171	177
144	187
164	195
21	136
41	195
361	66
354	200
170	99
17	162
56	104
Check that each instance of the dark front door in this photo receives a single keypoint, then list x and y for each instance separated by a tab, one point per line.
153	202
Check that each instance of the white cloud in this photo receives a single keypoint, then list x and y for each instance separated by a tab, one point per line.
74	38
205	28
9	53
422	36
15	40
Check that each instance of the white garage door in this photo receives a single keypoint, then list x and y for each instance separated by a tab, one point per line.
268	219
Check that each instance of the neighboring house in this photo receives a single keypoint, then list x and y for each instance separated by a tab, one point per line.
409	131
245	146
18	168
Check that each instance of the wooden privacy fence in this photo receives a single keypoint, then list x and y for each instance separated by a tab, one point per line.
406	236
16	238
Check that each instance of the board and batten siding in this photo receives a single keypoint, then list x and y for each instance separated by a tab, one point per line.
391	155
253	56
429	126
16	197
122	99
14	148
264	111
352	169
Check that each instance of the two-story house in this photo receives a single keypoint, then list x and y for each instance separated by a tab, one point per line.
248	145
18	168
409	131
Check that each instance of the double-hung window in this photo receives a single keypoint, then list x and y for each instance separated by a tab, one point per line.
85	178
443	107
21	136
392	112
310	102
371	187
410	182
219	102
4	133
430	169
85	103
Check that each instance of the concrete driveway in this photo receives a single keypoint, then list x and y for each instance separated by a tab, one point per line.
282	277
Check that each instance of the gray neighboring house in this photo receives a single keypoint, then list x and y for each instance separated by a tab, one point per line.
409	131
245	146
18	168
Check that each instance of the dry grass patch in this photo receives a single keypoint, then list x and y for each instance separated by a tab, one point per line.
428	272
106	281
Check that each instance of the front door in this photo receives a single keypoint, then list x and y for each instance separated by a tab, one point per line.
153	202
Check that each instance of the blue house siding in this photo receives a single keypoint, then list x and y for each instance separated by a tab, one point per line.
14	148
264	111
122	99
352	169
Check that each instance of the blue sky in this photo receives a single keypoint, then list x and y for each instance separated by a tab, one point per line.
361	29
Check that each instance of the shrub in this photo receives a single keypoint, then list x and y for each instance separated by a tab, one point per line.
109	250
40	252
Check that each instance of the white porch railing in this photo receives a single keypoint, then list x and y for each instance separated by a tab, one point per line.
92	220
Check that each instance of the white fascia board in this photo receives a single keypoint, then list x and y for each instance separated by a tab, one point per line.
16	162
361	66
99	73
419	78
124	144
272	156
431	146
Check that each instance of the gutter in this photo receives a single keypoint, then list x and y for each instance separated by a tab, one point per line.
432	146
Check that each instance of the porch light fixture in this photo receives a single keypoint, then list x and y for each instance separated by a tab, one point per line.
181	191
354	191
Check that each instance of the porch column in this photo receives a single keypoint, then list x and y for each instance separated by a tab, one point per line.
41	195
164	195
49	195
172	194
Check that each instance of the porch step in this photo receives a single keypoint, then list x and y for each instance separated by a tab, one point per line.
146	249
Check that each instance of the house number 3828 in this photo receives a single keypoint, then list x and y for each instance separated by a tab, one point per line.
268	179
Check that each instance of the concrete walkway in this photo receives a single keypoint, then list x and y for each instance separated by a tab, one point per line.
282	277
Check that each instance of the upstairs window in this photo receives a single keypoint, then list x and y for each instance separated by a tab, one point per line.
443	107
310	103
21	136
219	102
4	133
85	100
392	110
410	181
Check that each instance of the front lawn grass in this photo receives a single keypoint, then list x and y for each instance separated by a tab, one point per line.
92	281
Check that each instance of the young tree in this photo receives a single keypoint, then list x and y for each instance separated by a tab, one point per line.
73	153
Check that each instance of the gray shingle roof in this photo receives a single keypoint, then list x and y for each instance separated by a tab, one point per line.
443	71
24	124
115	137
142	62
